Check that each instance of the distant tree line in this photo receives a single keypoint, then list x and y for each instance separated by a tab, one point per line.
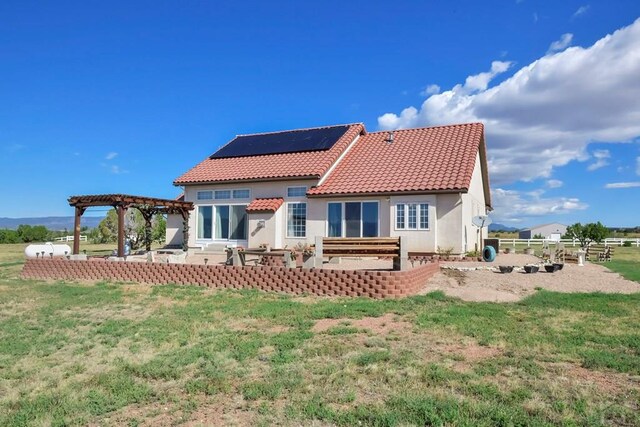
105	232
31	233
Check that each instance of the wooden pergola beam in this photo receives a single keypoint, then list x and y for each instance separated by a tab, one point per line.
148	206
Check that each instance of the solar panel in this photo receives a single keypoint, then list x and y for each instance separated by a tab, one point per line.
282	142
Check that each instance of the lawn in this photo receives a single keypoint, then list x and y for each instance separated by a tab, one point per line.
126	354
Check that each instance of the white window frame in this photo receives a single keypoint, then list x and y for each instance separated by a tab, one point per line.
297	187
344	221
286	220
406	216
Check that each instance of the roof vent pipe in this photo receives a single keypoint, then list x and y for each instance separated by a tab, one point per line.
390	137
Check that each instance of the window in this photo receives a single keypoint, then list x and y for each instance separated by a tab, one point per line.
296	191
352	219
400	217
241	194
297	220
204	195
223	222
222	194
424	216
413	212
369	219
204	222
334	220
412	216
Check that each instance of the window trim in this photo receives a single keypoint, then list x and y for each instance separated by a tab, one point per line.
406	216
286	220
297	187
344	221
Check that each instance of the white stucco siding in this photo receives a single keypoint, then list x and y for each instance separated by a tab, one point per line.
473	204
449	223
418	240
264	189
174	230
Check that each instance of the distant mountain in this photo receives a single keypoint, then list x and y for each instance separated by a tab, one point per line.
501	227
56	223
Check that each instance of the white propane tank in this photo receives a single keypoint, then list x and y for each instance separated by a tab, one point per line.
35	251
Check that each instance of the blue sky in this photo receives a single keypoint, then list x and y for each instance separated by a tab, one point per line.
104	97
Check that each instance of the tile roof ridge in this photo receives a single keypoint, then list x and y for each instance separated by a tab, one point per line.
429	127
300	129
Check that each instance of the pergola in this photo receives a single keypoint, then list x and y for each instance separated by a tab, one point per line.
148	206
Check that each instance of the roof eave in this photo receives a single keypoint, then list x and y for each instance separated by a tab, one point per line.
388	193
229	181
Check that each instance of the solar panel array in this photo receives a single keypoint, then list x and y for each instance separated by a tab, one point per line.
294	141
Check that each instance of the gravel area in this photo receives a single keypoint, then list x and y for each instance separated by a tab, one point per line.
486	285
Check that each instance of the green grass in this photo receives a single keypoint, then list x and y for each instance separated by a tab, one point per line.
116	354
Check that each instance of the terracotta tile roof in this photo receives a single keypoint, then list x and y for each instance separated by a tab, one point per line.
426	159
272	166
265	205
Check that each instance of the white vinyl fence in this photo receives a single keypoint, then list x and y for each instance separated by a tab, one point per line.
567	242
83	238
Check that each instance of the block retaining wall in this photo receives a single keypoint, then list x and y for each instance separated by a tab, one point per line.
374	284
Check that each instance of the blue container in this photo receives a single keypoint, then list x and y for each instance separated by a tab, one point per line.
489	254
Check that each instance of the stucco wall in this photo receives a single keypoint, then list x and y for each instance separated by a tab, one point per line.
417	240
449	216
174	230
263	189
473	204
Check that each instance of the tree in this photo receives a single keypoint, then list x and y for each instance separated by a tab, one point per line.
28	234
159	229
134	228
9	236
585	234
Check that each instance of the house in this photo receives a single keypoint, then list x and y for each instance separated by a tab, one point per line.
553	231
283	188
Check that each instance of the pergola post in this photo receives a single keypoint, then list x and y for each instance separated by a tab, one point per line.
147	214
185	229
121	210
76	230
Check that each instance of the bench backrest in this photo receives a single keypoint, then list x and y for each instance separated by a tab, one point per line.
361	246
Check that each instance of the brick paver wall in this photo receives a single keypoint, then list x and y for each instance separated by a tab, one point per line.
374	284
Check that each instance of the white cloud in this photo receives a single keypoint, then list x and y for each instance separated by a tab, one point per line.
581	10
547	112
554	183
623	185
511	205
112	155
535	17
601	157
565	40
637	165
430	90
117	170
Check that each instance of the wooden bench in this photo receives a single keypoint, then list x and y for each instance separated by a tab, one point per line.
362	247
599	253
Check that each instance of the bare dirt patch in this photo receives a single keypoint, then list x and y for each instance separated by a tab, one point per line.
486	285
255	325
378	325
608	383
470	354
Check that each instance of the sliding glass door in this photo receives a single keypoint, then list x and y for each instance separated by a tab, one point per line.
353	219
222	222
